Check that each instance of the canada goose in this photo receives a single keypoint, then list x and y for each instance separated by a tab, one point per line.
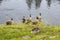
34	22
35	30
39	17
10	22
29	19
23	19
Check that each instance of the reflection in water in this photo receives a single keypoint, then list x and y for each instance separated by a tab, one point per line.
29	2
59	1
38	2
1	1
48	2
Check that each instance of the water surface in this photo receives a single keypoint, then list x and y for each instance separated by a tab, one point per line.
16	9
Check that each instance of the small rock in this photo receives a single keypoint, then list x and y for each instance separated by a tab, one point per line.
52	36
26	37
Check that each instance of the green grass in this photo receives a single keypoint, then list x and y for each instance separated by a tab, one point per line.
17	31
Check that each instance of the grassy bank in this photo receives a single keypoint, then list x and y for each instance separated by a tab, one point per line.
23	32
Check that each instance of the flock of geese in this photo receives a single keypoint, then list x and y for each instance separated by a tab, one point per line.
35	30
26	20
29	19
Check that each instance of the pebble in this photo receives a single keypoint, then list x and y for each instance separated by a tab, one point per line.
26	37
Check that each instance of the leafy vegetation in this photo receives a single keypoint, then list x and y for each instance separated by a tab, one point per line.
18	31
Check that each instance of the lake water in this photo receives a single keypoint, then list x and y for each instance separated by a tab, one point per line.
16	9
